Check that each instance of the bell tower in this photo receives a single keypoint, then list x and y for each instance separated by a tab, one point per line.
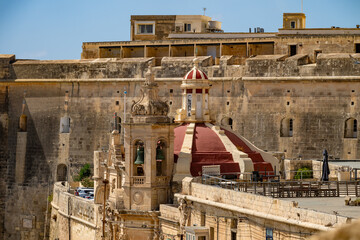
149	158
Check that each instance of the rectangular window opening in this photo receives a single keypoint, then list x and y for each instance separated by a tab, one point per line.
292	50
269	234
292	24
145	29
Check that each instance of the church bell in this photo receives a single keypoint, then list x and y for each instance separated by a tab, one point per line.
159	154
140	156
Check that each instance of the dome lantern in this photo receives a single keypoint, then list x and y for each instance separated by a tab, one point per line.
195	97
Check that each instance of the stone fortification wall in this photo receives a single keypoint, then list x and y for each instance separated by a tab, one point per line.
319	108
73	217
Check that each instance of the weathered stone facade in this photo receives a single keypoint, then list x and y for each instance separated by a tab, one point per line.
318	89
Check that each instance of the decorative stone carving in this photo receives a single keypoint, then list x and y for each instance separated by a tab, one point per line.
149	102
185	211
138	198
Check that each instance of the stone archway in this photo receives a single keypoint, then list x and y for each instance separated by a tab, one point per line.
227	122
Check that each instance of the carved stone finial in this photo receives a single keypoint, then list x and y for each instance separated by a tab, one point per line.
196	62
149	75
149	103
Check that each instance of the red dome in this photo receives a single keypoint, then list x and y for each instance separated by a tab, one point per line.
195	73
208	149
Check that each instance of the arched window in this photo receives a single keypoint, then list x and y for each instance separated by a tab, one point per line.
160	158
350	128
61	173
227	122
139	158
286	127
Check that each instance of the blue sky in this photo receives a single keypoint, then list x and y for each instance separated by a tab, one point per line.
55	29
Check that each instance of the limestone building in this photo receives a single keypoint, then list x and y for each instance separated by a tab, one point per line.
294	91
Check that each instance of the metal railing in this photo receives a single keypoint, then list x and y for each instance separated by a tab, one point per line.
289	189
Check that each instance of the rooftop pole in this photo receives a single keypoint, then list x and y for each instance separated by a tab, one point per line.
302	6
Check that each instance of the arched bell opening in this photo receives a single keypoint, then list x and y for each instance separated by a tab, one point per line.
139	158
61	173
161	153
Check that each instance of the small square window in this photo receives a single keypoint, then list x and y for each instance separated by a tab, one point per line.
288	90
228	91
287	103
353	90
170	102
352	103
117	91
117	102
171	90
228	103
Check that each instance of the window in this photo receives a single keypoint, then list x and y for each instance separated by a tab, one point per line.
350	128
187	27
145	29
269	234
292	24
286	127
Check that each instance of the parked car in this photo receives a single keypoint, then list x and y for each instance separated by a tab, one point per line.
90	196
83	192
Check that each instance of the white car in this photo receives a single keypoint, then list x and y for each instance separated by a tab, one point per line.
83	192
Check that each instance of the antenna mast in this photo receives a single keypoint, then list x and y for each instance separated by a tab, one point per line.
302	6
204	10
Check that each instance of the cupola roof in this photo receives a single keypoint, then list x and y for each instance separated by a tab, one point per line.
195	73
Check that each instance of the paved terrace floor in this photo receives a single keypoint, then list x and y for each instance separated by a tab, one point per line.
328	205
